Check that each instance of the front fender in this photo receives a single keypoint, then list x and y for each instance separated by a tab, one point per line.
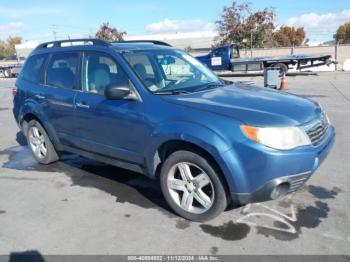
194	133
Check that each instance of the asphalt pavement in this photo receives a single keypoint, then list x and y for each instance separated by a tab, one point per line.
80	206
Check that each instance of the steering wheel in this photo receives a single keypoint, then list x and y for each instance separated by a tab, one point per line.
149	82
181	80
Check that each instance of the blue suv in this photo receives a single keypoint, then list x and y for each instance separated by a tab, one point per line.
154	109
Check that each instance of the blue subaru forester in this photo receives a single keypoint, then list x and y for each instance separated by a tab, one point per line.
154	109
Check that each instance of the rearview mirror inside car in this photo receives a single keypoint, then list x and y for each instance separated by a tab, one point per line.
167	60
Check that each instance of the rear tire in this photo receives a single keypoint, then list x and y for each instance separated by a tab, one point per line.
40	144
201	195
7	73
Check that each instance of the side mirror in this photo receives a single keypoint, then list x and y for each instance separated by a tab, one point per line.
117	92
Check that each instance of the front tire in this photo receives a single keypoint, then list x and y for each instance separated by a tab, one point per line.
40	144
192	186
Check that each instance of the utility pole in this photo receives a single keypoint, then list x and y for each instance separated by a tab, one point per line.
251	43
336	54
54	32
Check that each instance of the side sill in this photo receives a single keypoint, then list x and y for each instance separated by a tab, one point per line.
108	160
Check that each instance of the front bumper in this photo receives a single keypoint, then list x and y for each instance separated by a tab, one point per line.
273	189
267	174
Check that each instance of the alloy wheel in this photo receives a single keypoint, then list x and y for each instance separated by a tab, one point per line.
37	142
190	187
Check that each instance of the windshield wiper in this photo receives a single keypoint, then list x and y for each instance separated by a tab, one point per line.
180	92
209	86
171	92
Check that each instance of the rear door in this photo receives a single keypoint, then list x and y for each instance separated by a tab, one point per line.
61	85
30	83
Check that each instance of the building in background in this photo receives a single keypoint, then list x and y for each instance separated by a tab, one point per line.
196	41
24	49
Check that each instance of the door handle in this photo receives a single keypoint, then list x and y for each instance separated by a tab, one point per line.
82	105
40	96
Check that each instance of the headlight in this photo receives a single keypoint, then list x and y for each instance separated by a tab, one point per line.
282	138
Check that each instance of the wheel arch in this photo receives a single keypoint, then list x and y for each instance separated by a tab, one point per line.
26	119
170	146
31	115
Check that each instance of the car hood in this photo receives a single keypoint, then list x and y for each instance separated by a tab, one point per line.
251	105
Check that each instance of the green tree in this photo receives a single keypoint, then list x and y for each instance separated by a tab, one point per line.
342	36
8	48
290	36
239	25
2	49
109	33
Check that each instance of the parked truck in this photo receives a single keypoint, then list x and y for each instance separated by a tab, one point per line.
227	57
10	68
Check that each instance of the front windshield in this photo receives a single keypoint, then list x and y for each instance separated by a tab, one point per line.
166	71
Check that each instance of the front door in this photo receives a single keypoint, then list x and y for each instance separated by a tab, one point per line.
113	128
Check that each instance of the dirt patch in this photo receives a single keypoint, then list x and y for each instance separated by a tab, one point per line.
323	193
228	231
214	250
182	224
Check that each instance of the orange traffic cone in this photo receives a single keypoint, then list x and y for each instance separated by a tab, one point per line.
283	83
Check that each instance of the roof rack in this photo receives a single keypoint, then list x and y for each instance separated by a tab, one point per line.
156	42
72	42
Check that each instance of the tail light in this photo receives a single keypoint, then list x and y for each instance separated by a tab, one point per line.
14	91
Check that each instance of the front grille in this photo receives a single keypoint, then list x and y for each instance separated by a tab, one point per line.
297	181
317	132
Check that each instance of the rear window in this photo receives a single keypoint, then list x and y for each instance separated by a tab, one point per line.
62	70
32	70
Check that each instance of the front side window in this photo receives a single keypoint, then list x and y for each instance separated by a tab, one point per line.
62	70
33	68
169	70
101	71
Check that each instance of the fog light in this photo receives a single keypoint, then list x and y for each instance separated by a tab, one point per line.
280	190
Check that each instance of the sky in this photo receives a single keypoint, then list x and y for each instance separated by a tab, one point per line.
36	20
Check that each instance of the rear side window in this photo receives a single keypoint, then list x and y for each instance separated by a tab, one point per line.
62	70
32	70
